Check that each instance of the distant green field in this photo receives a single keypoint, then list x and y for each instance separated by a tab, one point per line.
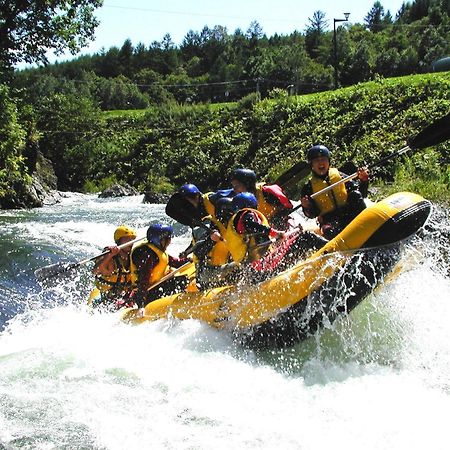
139	113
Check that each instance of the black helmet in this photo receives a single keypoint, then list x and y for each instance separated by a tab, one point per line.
244	200
159	232
316	151
189	190
246	176
224	208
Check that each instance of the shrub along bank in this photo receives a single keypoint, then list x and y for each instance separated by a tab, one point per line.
167	147
161	148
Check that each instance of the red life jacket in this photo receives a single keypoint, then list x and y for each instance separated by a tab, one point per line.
276	191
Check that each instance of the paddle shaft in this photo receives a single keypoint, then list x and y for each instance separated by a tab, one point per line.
121	246
355	175
169	276
59	268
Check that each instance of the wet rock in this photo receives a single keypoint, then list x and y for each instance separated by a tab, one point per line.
153	197
118	190
39	192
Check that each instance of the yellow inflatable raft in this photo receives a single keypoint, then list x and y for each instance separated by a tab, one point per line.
295	303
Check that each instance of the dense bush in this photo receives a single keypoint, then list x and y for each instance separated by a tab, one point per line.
202	144
13	174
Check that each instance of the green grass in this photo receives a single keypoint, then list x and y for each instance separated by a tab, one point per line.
429	179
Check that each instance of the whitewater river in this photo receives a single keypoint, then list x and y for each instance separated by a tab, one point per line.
378	379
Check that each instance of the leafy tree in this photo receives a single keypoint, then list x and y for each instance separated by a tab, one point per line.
388	62
315	32
190	47
12	169
125	58
374	18
29	28
108	65
151	83
69	124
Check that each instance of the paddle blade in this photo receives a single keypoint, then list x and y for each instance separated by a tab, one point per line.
297	172
181	210
48	272
437	132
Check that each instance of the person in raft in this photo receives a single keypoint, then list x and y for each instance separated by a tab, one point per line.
209	247
150	262
112	271
336	208
248	231
272	201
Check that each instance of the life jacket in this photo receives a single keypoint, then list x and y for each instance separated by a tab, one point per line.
208	204
219	254
161	269
268	209
118	281
239	244
333	199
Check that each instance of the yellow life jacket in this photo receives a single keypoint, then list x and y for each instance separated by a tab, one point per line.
207	203
240	244
266	208
333	199
219	254
161	269
119	280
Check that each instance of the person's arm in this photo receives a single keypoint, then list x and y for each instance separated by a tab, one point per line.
178	262
105	266
361	183
253	226
309	206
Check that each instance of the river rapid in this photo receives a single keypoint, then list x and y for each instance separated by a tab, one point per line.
376	379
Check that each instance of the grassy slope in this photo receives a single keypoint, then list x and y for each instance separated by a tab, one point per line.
360	123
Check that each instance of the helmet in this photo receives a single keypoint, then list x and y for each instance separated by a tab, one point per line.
224	208
316	151
158	232
189	190
246	176
124	231
244	200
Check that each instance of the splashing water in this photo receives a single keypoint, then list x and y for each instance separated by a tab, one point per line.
378	378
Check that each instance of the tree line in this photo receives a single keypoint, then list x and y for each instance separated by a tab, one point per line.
213	65
186	133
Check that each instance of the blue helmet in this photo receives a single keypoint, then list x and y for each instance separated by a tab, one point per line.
244	200
189	190
246	176
224	208
158	232
316	151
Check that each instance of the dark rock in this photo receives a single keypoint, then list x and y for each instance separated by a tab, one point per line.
41	191
118	190
153	197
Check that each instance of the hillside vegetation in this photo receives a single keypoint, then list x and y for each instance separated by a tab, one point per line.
166	147
160	148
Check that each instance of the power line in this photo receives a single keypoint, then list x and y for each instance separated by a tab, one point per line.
189	13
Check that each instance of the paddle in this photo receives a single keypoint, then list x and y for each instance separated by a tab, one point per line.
181	210
433	134
293	174
169	275
54	270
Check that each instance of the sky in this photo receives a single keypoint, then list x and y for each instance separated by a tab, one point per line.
147	21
